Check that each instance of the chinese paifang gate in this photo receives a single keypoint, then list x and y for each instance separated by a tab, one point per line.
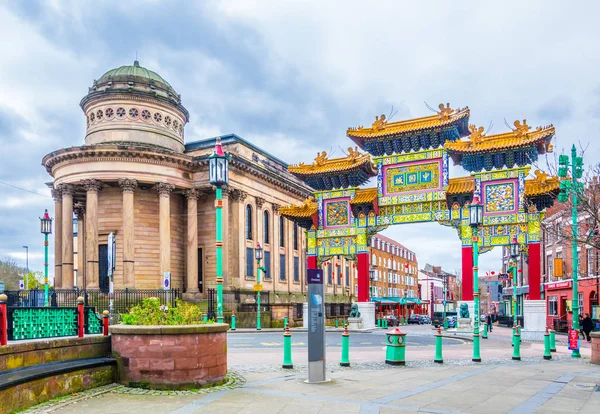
411	162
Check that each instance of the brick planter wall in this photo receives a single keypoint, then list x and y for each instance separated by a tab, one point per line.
595	348
170	357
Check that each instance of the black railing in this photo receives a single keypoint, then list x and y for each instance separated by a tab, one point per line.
123	299
337	309
212	305
561	325
245	301
507	321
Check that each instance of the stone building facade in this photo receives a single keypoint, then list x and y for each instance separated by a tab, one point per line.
135	177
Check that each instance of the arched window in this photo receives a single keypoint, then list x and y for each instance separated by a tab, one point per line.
249	222
295	236
281	232
266	227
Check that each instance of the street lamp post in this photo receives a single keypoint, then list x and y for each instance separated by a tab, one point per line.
46	229
514	253
445	280
570	186
475	220
258	255
371	278
218	175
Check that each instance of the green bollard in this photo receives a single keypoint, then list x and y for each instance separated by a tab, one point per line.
232	321
285	322
385	323
485	331
205	318
345	360
287	349
552	340
336	323
517	345
547	353
395	353
438	347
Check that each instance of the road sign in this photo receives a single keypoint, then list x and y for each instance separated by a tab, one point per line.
111	254
21	284
167	280
316	326
1	286
258	288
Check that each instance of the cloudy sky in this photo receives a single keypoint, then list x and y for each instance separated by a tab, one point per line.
291	78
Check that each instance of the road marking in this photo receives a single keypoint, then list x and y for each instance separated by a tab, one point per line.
240	345
366	343
270	343
298	343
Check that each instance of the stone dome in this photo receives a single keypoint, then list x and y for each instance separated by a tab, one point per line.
135	105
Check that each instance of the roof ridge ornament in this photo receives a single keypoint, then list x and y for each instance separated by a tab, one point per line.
521	128
445	112
380	123
321	158
477	134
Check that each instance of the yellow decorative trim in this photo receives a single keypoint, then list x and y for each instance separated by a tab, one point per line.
353	161
364	196
461	185
541	184
305	210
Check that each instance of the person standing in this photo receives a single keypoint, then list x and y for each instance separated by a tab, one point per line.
587	326
581	333
490	322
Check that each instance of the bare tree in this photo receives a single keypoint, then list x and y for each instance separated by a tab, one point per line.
10	273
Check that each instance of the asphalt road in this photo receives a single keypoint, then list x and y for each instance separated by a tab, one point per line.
334	339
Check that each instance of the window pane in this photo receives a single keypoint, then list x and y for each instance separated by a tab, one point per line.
296	269
249	262
295	236
266	227
249	222
347	275
267	264
282	267
281	232
329	274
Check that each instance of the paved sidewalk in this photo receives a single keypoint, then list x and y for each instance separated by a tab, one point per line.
542	386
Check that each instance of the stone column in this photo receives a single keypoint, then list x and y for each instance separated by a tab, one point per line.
164	199
128	187
238	232
192	241
57	195
67	235
92	187
275	246
80	213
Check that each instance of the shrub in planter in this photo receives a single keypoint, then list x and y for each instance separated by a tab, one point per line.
169	347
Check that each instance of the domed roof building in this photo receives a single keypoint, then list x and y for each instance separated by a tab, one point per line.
135	177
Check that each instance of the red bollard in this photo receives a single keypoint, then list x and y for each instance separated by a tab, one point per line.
3	320
105	322
80	318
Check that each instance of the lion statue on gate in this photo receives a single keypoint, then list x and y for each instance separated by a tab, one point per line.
464	310
354	313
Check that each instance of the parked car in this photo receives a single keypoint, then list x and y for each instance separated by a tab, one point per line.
392	320
451	321
426	319
414	318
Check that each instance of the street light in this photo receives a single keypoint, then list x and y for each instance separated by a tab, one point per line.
570	186
475	220
258	255
46	229
26	265
218	175
514	253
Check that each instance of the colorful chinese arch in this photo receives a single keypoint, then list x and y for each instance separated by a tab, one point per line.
411	162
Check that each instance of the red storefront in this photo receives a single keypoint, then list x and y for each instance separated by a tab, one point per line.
559	296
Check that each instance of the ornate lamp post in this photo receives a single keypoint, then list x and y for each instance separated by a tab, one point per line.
514	254
258	255
475	220
218	175
46	229
570	186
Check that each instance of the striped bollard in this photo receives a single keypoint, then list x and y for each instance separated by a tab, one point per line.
287	349
438	347
547	353
345	360
3	320
80	318
336	323
105	316
517	345
485	331
232	321
552	340
285	322
205	317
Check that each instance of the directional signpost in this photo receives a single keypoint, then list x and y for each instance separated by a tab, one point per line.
316	327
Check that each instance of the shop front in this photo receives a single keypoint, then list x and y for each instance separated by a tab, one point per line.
559	302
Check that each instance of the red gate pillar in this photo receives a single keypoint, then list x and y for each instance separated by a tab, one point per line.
467	273
312	262
534	270
363	276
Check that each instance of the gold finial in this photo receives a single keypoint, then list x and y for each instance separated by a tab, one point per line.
321	158
380	122
521	128
476	134
445	112
353	153
540	176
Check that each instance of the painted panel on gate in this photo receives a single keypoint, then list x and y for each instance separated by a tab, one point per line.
337	213
412	177
500	197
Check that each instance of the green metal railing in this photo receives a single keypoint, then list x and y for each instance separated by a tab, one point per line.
49	322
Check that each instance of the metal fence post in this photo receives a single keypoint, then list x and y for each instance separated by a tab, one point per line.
80	317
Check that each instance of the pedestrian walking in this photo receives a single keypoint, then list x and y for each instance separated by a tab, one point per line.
490	322
581	333
587	326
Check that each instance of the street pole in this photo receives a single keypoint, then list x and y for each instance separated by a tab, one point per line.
26	265
258	328
445	298
45	269
476	354
514	296
574	253
219	246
